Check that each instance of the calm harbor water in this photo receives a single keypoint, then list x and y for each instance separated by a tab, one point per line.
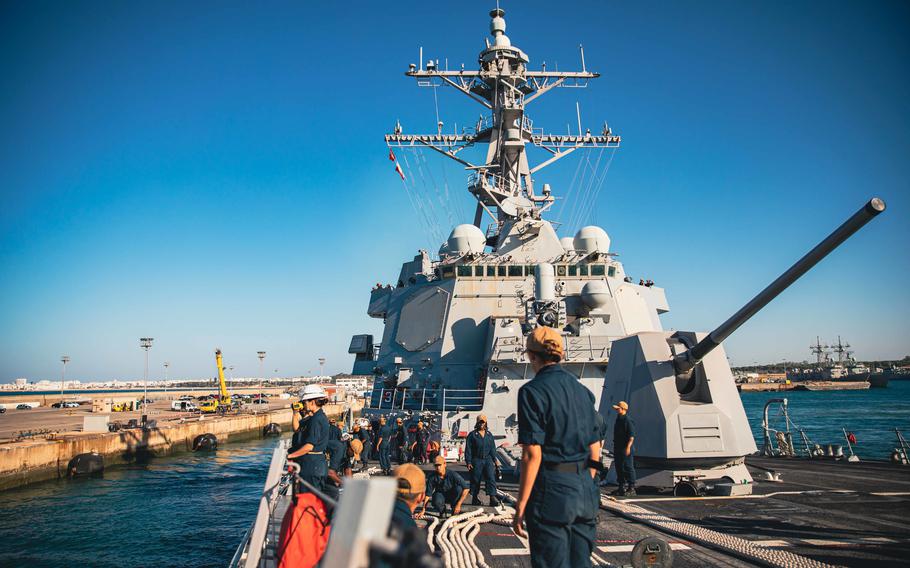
183	510
192	509
872	415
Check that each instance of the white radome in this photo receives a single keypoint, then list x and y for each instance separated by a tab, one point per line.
466	239
595	294
592	239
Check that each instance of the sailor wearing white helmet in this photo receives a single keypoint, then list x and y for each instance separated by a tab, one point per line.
311	437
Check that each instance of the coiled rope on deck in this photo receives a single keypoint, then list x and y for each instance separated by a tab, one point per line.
731	544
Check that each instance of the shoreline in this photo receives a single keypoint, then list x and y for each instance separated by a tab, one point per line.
32	460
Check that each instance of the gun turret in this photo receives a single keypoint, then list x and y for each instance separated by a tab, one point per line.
686	361
690	421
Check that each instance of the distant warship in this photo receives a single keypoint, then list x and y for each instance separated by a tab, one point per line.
835	363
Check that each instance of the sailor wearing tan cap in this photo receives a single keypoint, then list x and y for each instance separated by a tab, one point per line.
479	454
412	541
557	428
623	460
411	490
444	488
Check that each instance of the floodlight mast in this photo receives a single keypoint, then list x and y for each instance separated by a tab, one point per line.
504	86
146	344
261	355
64	359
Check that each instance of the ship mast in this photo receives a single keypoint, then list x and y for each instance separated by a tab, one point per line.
820	351
503	85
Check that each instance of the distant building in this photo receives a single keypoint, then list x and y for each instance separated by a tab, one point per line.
21	383
353	383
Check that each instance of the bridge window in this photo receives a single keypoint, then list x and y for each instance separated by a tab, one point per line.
516	270
561	270
465	270
502	270
598	270
573	270
478	271
583	270
491	270
448	271
611	271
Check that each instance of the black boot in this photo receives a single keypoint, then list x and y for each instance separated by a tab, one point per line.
618	492
475	501
494	502
630	491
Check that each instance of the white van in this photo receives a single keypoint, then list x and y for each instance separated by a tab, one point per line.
184	405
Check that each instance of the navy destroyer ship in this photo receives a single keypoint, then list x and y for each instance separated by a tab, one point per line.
455	322
835	363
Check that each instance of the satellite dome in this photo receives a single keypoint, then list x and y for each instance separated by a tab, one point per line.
595	294
466	239
568	243
592	239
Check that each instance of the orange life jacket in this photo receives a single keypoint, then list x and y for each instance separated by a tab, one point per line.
304	532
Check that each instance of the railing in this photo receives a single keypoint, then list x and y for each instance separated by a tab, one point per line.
254	542
492	182
438	399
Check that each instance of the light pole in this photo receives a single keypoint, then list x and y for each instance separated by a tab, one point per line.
230	374
166	365
261	355
65	359
321	366
146	343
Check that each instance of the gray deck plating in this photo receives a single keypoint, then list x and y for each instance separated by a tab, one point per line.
837	513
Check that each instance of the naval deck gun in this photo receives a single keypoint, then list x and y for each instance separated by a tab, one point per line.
691	425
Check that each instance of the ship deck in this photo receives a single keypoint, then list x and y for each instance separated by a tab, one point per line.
845	514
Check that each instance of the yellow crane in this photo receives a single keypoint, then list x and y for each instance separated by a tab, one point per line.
223	402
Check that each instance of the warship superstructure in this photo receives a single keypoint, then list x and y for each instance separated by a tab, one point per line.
456	322
452	347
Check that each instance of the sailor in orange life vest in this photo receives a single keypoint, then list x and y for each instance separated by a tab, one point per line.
558	497
311	437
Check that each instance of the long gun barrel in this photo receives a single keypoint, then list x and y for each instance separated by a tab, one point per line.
686	361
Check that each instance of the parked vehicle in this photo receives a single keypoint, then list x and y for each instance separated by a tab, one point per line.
184	406
23	407
2	409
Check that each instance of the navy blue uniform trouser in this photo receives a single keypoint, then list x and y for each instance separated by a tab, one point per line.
385	460
625	470
562	519
402	453
483	470
420	452
313	470
439	500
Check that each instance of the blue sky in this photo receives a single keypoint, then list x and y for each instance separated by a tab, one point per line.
213	174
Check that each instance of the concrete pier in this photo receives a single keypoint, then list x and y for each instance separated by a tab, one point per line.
30	460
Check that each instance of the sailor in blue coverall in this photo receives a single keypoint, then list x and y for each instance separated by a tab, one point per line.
479	454
558	496
384	446
313	437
